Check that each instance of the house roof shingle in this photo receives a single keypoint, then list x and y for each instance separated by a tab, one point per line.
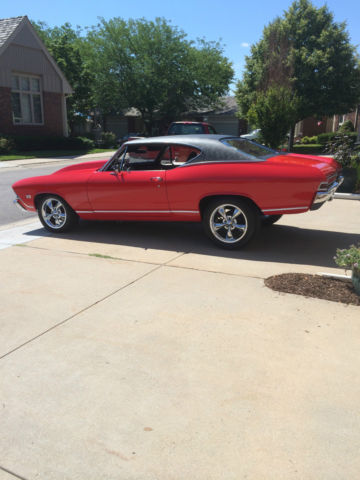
7	27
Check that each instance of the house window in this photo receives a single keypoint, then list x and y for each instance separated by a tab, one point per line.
26	100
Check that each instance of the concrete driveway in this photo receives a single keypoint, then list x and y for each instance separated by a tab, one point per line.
142	352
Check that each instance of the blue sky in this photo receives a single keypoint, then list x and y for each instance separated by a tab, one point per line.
236	23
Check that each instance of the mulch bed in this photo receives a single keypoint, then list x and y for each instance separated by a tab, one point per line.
314	286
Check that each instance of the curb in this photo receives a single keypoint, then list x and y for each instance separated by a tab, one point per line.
347	196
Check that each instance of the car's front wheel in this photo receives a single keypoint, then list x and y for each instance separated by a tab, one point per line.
55	214
230	222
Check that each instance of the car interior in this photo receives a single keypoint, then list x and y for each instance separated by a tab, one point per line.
155	157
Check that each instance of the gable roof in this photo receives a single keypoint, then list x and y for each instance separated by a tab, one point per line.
10	27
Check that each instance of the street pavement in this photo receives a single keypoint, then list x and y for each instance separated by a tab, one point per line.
14	170
138	351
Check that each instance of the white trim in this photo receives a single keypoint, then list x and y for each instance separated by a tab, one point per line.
193	212
281	209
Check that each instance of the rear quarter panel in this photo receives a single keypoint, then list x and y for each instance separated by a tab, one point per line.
269	185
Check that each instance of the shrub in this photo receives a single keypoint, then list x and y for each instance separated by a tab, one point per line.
309	149
325	138
107	139
342	148
28	143
6	145
349	258
308	140
346	127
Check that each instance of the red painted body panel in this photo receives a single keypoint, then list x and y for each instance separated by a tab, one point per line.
281	184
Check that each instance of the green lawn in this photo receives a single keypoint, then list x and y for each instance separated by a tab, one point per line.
52	154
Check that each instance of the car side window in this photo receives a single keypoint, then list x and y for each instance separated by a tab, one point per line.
176	155
142	157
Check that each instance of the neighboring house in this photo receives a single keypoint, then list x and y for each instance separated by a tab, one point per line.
224	120
312	126
32	87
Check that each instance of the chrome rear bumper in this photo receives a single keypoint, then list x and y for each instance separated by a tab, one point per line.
324	196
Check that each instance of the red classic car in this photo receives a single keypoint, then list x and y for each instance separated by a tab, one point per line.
230	184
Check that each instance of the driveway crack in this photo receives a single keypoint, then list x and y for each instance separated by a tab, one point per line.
71	317
12	473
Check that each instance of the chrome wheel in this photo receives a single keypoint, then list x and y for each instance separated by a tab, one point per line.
228	223
54	213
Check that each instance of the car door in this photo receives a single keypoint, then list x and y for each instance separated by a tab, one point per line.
137	191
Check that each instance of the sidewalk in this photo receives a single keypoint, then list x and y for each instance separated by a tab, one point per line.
39	161
140	351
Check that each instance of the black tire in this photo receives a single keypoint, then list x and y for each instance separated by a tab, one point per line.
230	222
55	214
268	220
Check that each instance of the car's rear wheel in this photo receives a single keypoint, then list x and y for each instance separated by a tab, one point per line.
55	214
268	220
230	222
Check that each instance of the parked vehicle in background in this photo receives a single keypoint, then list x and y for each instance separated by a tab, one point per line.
128	137
230	184
190	128
253	135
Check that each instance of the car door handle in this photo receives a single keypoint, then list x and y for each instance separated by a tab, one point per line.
156	179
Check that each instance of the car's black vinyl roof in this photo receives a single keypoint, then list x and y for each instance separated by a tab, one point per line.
210	144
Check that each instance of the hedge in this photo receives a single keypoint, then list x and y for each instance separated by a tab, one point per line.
26	143
309	149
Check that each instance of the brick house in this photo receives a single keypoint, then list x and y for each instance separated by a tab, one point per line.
313	126
32	87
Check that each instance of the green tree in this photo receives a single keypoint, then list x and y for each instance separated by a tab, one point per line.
67	47
151	66
309	53
273	111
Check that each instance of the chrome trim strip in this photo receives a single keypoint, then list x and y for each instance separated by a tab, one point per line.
322	197
185	211
281	209
138	211
213	162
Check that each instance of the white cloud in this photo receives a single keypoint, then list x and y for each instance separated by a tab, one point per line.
245	44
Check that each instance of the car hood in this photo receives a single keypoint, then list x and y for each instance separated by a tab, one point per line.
85	167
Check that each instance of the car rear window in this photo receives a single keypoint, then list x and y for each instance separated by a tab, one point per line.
186	129
248	149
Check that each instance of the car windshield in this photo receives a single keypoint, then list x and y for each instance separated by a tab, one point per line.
250	150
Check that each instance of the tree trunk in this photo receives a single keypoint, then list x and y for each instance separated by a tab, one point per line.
291	138
356	126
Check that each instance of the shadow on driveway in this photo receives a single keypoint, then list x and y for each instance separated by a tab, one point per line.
278	243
